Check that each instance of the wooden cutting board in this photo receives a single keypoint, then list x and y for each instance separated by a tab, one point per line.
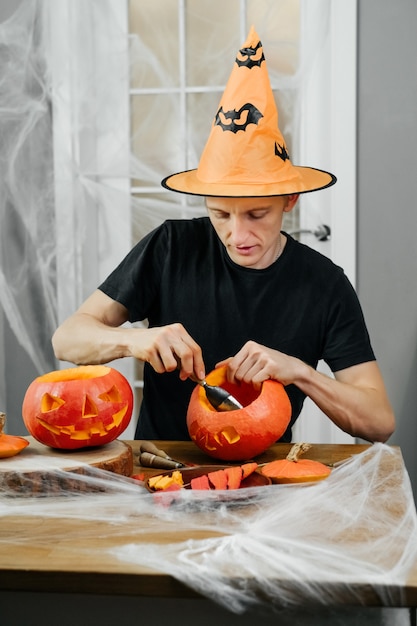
34	469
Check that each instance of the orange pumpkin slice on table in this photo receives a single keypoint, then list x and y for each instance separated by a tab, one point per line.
292	469
10	445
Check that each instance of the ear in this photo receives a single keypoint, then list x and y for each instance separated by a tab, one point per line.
291	202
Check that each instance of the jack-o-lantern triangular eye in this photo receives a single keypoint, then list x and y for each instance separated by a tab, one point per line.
112	395
50	403
89	407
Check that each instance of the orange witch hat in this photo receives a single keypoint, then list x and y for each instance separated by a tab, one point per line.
245	154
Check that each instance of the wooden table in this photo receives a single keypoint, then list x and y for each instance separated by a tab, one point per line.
36	570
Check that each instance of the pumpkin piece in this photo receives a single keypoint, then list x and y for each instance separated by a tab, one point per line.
153	480
172	487
244	433
248	469
234	477
163	482
200	483
293	470
89	405
10	445
177	478
218	479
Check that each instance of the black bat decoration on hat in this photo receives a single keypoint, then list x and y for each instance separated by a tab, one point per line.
281	152
248	55
237	120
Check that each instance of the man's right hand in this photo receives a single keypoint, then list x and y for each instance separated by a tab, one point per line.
95	334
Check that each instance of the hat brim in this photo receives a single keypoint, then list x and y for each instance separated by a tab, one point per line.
310	179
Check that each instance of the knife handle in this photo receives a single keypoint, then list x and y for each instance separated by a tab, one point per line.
148	459
148	446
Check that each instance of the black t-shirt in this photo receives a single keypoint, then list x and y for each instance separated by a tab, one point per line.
302	305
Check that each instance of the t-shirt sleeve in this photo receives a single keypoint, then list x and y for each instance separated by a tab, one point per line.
347	340
134	282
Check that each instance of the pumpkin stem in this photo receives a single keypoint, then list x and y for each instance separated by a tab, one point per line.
2	422
297	450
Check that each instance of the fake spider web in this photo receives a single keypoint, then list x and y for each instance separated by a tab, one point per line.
272	547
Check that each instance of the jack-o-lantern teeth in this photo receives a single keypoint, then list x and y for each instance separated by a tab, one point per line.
230	434
118	417
98	428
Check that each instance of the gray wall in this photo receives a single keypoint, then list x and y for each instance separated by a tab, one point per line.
387	202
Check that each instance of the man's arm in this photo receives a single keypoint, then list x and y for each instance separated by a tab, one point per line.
94	334
355	400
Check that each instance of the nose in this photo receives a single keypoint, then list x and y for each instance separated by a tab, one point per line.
238	230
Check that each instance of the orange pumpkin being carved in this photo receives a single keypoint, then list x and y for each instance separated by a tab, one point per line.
242	434
79	407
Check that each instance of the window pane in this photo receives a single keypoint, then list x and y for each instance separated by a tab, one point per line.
154	49
213	38
201	109
156	137
278	25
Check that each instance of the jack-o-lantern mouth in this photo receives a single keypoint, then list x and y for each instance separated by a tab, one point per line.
97	429
228	435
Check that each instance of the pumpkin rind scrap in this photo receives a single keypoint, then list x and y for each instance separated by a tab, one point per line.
80	407
242	434
303	471
292	469
10	445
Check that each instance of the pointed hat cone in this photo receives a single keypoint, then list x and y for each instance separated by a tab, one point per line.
245	154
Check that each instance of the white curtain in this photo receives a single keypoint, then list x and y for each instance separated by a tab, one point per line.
27	223
64	159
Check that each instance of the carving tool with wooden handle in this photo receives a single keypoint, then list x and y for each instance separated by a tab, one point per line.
152	456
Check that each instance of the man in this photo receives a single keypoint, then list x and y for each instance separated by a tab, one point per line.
232	288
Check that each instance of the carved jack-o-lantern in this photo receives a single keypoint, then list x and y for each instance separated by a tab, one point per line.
79	407
244	433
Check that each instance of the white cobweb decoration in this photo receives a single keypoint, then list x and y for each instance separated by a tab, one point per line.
274	547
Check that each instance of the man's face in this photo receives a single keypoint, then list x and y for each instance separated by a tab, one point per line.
249	228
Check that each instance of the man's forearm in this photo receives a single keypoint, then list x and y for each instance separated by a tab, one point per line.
362	409
83	340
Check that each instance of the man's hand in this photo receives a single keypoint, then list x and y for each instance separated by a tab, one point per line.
168	348
96	334
355	399
255	363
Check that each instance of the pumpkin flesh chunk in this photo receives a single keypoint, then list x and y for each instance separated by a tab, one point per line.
234	477
218	479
